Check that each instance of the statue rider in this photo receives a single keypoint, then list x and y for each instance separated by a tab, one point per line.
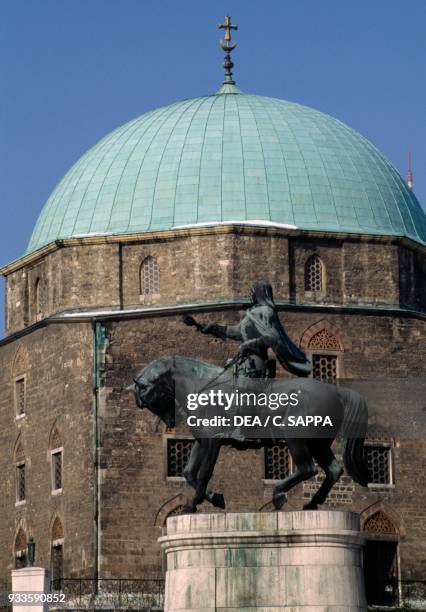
259	330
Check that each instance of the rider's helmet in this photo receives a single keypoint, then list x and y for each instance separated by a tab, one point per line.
261	294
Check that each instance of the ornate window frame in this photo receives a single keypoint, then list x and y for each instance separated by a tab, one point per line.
18	379
19	371
145	296
56	451
387	442
315	292
166	438
396	533
341	347
20	467
273	481
328	353
20	462
55	447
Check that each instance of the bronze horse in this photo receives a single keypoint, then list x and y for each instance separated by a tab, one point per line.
154	389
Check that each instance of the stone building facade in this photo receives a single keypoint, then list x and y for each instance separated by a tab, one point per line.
93	479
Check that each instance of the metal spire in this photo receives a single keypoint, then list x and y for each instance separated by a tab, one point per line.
410	180
228	47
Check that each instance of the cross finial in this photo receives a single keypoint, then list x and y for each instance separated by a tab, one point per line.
228	47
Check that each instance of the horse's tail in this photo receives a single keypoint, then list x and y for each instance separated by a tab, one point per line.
354	428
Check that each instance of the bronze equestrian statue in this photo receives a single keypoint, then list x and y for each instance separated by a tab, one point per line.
259	330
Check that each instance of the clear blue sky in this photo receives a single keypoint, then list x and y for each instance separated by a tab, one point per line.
72	70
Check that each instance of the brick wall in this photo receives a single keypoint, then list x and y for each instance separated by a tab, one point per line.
217	266
57	364
72	277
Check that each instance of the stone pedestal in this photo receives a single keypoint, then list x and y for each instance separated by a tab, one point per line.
307	561
31	580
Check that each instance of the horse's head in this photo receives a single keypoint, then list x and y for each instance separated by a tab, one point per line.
141	391
153	389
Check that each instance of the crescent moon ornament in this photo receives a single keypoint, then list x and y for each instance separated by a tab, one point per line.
227	46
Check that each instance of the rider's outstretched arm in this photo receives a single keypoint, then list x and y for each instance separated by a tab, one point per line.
233	332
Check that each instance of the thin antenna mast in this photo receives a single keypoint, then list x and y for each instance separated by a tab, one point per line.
410	180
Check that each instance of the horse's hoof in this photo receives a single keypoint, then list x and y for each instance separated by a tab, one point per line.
218	501
188	509
279	500
310	506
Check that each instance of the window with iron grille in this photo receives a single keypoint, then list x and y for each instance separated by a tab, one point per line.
56	470
324	367
379	463
314	271
150	276
20	399
178	451
20	482
278	463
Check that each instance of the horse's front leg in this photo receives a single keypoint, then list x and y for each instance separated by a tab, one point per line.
209	452
190	473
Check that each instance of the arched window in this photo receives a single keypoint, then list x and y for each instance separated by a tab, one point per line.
325	348
20	548
314	274
380	523
20	397
20	473
149	276
56	460
57	554
378	449
19	373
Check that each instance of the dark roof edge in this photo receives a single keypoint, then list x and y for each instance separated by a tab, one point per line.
91	315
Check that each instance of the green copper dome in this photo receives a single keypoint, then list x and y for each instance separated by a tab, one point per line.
231	157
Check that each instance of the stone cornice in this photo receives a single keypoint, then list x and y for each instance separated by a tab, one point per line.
305	537
202	230
89	315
